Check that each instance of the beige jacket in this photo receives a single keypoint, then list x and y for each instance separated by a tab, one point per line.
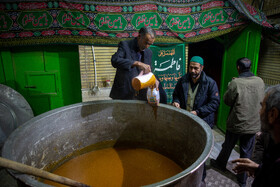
244	95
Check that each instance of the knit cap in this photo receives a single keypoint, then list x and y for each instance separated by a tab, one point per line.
197	59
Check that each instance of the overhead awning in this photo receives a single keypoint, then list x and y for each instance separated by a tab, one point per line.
107	22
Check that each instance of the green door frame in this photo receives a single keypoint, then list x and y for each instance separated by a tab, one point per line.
246	44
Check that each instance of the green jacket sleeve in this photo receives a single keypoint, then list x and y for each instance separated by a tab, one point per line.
231	94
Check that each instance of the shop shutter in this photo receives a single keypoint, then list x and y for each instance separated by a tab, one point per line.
269	62
271	7
104	69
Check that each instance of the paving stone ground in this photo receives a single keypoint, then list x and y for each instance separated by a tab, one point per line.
216	178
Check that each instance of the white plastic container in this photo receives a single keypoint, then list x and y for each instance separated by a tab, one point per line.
153	96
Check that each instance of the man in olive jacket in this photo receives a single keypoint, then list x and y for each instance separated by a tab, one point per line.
244	95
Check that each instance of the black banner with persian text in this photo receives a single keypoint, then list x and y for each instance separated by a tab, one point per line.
168	65
32	22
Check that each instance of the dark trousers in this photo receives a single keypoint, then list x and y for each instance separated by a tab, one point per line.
204	172
246	144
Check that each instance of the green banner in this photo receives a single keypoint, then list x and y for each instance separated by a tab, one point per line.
213	17
33	22
107	22
180	23
168	65
146	19
73	19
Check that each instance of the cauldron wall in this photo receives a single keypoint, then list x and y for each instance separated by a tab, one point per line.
175	133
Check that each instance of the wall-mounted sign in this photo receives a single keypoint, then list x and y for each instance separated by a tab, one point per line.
168	64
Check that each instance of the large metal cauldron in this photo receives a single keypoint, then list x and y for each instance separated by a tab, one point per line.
175	133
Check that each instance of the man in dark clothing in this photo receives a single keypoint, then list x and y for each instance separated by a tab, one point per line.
263	143
243	95
132	57
267	173
198	94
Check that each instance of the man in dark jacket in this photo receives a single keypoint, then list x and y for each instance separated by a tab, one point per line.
264	142
132	57
268	172
197	93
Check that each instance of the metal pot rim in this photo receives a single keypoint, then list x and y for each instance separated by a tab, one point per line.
29	180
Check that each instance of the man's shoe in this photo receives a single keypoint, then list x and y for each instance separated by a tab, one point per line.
216	165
